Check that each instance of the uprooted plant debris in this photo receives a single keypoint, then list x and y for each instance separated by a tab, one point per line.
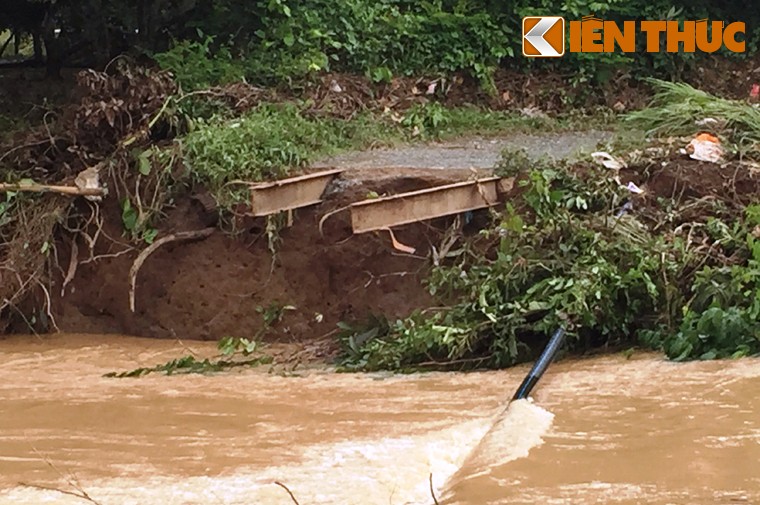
87	142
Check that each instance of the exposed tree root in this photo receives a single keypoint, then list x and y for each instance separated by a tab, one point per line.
187	235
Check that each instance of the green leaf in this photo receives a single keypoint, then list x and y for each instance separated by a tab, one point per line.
227	345
149	235
128	215
712	354
144	164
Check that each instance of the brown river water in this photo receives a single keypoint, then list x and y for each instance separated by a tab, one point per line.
599	430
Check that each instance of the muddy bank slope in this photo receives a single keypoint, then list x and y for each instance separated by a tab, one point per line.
231	285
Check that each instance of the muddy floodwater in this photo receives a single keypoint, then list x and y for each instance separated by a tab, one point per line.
600	430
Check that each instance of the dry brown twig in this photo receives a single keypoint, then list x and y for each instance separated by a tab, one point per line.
83	495
376	278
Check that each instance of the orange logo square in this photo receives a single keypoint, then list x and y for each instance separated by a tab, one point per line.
543	36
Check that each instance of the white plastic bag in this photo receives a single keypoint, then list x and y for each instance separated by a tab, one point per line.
705	147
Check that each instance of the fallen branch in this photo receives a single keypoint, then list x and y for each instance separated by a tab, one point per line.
283	486
186	235
45	188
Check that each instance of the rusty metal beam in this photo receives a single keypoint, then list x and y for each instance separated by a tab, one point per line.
287	194
405	208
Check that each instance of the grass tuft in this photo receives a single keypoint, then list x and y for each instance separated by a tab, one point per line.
677	107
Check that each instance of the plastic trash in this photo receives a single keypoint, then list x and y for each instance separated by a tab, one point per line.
707	122
705	147
607	160
626	208
398	245
634	188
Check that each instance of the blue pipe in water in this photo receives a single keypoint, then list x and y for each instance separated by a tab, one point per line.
541	365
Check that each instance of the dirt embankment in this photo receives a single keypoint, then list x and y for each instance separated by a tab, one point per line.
223	285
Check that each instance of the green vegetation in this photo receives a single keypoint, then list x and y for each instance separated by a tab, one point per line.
559	257
270	141
676	108
379	39
273	140
556	257
292	40
234	353
722	317
279	41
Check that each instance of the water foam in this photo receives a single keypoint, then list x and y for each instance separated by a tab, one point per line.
517	430
392	469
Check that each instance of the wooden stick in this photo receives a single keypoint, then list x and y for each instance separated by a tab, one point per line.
44	188
185	235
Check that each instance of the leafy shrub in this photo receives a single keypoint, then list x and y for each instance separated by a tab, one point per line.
288	39
555	260
196	65
560	256
723	318
381	39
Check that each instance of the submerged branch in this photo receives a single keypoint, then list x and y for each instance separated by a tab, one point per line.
283	486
